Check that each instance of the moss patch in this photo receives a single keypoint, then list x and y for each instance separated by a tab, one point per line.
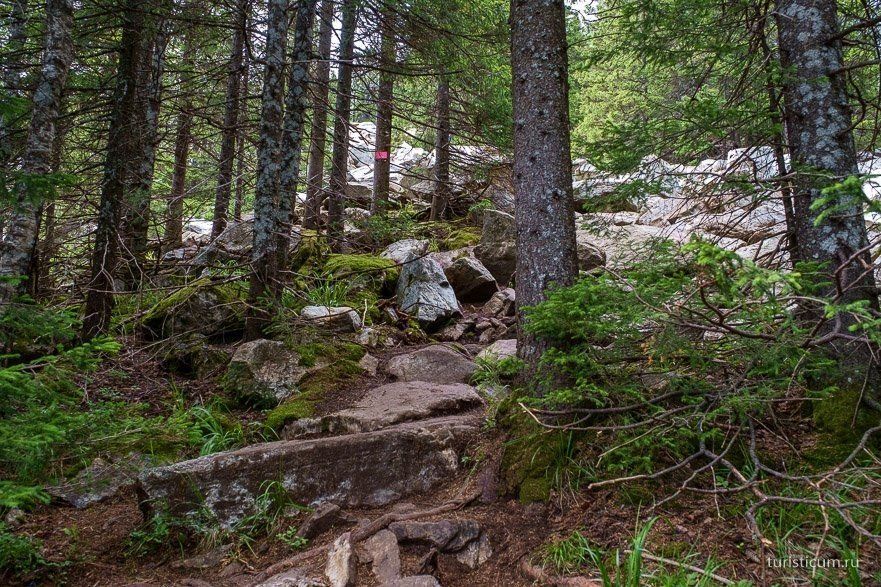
326	378
300	406
841	422
311	353
461	237
530	456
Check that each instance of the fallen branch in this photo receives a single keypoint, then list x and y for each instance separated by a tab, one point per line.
539	575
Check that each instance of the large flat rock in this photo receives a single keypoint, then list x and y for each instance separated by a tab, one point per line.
435	363
402	402
365	469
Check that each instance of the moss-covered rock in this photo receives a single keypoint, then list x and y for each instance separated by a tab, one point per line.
192	355
529	456
311	249
201	306
841	422
461	237
371	270
295	408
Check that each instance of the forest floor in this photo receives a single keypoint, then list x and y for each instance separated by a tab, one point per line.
92	546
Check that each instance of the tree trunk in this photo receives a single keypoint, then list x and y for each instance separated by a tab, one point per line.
384	113
13	72
263	257
819	130
318	133
136	220
296	103
546	253
183	136
339	161
241	139
230	122
19	241
441	196
122	147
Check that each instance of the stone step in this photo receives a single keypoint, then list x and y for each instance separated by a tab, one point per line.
391	404
364	469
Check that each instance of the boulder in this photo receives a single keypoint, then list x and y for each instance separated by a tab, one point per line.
233	244
99	481
435	364
264	372
199	307
389	405
334	319
498	245
502	303
500	349
354	470
471	281
424	293
405	250
589	255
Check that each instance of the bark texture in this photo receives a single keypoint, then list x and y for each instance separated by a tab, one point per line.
441	196
546	250
819	131
241	140
230	122
263	256
122	147
174	222
318	132
136	219
20	238
296	103
384	112
340	159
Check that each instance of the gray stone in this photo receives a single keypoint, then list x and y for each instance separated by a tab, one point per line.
384	555
265	371
503	303
321	520
405	250
338	319
206	560
476	552
501	349
234	243
200	307
99	481
589	255
342	564
354	470
471	281
369	363
292	578
415	581
435	364
401	402
424	293
445	535
498	245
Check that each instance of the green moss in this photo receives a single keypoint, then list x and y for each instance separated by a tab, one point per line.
461	237
312	249
371	270
534	489
312	353
175	299
326	378
313	388
532	455
300	406
841	422
240	385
